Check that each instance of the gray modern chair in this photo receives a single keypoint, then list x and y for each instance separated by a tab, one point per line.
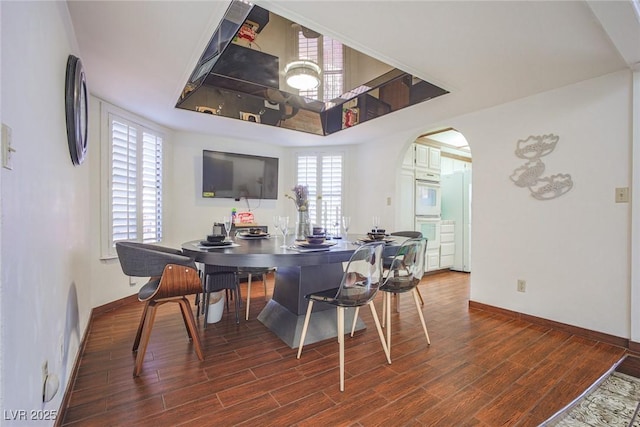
358	287
172	276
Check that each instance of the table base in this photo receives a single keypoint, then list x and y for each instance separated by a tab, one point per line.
288	326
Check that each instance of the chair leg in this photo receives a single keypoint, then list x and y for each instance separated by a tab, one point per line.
190	323
355	319
341	344
205	301
384	309
387	321
248	294
136	341
380	334
419	295
150	316
237	301
304	328
184	319
424	325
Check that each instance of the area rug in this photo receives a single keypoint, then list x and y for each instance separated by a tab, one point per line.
613	400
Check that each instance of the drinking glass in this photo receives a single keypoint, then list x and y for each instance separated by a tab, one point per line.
284	227
376	223
346	222
227	225
276	223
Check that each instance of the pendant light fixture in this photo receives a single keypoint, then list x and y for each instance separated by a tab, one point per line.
302	74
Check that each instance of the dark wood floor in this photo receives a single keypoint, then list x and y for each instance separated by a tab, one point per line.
482	369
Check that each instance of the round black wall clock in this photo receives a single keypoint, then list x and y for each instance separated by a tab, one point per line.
76	109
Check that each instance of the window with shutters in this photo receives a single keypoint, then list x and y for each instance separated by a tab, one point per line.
322	173
134	183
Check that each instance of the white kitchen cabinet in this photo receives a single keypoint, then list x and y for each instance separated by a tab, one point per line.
409	158
433	260
447	243
427	157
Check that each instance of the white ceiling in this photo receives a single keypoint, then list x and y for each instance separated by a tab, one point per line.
139	54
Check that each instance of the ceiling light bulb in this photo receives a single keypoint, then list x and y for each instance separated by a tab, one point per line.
302	74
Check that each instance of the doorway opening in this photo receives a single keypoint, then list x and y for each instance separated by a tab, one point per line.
442	163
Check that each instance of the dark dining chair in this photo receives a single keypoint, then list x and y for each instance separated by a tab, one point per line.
172	276
219	278
359	285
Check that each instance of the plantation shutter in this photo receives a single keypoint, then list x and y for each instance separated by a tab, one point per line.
332	191
323	176
123	181
151	188
136	182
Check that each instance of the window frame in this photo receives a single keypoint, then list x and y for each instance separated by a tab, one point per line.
317	207
107	246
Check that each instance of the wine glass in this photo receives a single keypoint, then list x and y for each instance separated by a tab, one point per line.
276	223
346	222
284	227
227	225
376	223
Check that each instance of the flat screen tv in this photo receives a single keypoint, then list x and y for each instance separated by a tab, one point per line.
231	175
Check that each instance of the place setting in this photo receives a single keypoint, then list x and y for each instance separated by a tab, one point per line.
216	241
252	234
376	234
313	243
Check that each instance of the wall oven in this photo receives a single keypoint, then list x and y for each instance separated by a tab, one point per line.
427	201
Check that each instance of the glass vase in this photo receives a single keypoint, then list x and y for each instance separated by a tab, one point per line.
303	225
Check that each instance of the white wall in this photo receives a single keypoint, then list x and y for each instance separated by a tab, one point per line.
45	206
572	251
191	216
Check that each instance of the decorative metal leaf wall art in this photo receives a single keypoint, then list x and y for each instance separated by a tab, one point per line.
530	174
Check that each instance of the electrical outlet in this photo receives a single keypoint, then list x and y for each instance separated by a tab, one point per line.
522	285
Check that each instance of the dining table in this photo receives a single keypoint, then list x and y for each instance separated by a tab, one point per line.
300	270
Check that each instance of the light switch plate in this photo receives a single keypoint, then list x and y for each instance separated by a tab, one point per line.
7	149
622	195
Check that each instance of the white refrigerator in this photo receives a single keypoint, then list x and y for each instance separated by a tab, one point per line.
456	205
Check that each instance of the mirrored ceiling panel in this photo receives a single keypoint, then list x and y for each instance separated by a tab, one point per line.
263	68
